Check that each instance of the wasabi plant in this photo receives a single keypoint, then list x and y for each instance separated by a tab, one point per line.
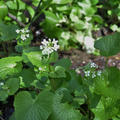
46	88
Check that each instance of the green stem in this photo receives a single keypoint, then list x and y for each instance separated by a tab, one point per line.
52	82
82	110
34	17
9	47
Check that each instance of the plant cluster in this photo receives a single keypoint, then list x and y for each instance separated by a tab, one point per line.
45	87
110	11
71	22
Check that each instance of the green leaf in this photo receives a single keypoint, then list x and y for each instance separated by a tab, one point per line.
62	1
12	117
12	5
49	25
3	95
10	66
28	76
10	88
8	32
108	84
12	85
3	10
22	5
51	17
98	19
106	109
45	4
94	2
27	108
75	14
75	81
63	111
80	25
58	73
53	57
31	11
28	50
35	58
99	112
87	9
109	45
63	8
65	62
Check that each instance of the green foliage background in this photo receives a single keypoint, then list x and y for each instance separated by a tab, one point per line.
57	92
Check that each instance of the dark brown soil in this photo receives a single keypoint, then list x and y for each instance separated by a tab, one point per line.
81	58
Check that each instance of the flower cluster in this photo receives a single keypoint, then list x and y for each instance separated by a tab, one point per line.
49	46
24	34
87	73
93	65
92	74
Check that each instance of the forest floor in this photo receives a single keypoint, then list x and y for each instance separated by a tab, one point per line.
81	58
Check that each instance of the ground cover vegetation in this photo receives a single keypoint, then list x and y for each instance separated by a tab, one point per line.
35	82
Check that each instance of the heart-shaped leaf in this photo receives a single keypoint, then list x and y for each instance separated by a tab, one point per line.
3	10
27	108
10	66
63	111
109	45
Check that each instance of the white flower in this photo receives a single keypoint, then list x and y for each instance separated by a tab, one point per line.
27	31
27	35
40	69
93	65
1	83
47	51
56	47
93	75
87	73
23	34
23	37
54	41
41	47
49	46
17	31
99	73
37	32
45	42
49	40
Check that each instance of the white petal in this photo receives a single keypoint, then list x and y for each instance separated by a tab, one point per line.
23	37
27	35
17	31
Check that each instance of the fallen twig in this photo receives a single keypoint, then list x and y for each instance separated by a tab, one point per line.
15	18
1	118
